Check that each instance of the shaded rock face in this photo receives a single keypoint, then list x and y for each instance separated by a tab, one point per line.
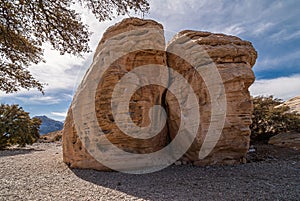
229	55
233	59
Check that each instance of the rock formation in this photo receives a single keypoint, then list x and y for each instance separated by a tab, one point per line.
129	46
290	140
294	104
51	137
133	43
233	59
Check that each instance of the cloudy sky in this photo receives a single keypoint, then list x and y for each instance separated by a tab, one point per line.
273	27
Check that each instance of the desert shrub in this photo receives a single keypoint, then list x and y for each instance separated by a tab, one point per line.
57	138
270	117
16	127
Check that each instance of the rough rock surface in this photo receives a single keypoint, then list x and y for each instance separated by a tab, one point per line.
113	42
51	137
233	58
290	140
294	104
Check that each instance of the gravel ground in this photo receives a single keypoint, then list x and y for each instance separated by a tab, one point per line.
38	173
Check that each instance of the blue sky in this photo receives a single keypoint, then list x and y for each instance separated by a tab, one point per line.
273	27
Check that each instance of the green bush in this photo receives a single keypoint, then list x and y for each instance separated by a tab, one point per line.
270	117
16	127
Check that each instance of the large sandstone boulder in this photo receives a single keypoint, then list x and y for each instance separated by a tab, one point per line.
209	61
124	46
204	92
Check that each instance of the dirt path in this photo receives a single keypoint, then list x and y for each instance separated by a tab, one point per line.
38	173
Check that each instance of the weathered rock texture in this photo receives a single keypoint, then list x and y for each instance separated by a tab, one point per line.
294	104
233	58
74	152
290	140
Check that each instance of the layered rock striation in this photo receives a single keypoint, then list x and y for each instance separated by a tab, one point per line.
133	71
124	47
204	59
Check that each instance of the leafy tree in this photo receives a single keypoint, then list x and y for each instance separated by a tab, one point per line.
16	127
271	117
26	24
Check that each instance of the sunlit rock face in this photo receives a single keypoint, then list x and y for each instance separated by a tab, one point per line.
129	40
294	104
133	71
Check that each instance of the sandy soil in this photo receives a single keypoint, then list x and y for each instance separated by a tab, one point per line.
38	173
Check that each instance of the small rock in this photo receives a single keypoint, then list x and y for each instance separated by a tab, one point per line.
177	163
251	149
290	140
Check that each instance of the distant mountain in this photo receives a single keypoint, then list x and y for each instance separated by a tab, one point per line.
49	125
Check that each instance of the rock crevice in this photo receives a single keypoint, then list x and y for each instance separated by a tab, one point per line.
114	66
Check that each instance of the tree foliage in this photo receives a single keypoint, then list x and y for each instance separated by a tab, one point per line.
26	24
271	117
16	127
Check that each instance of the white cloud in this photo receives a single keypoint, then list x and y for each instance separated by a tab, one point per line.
284	35
22	92
34	97
262	28
65	72
256	19
282	87
62	72
40	99
235	29
252	18
279	61
294	35
55	71
59	114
